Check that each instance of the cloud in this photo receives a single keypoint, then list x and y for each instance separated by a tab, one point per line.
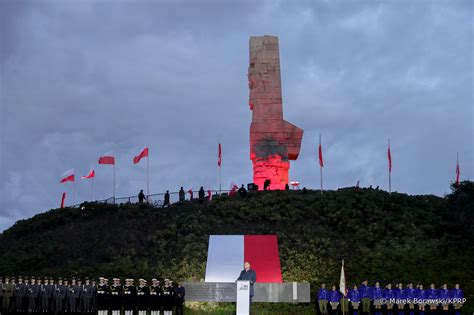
81	79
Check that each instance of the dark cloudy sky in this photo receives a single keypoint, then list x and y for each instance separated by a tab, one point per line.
79	78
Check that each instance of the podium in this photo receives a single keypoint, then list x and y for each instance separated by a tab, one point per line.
243	298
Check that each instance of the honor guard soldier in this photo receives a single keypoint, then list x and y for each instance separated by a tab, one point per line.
180	293
12	305
102	292
323	297
94	296
79	302
86	296
458	299
129	297
366	296
116	296
168	298
334	299
409	296
143	296
445	296
20	293
354	298
73	296
156	295
45	295
8	290
377	298
32	294
51	296
59	296
433	297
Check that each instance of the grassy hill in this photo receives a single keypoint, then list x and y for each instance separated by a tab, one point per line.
381	236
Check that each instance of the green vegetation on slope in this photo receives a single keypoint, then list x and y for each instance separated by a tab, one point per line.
381	236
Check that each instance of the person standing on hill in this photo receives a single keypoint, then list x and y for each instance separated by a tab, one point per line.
201	194
166	201
182	195
141	196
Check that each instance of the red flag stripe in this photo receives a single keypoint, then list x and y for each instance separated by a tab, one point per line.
140	156
389	160
107	159
219	157
458	173
320	150
90	175
63	198
69	178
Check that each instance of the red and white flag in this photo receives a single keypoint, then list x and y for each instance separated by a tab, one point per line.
458	173
67	176
63	198
342	281
233	189
141	155
320	153
389	154
219	156
190	191
91	174
107	159
209	195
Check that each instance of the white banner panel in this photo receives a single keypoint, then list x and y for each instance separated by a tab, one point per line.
225	258
243	298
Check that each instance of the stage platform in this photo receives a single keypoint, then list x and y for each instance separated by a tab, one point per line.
291	292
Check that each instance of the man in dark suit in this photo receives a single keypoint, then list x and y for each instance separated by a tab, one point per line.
248	275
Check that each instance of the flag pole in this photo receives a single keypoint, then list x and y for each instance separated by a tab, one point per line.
74	192
389	169
114	184
320	167
147	176
92	183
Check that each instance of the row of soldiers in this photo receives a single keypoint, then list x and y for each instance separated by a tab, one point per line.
391	300
62	296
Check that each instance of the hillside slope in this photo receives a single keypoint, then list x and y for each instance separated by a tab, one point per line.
381	236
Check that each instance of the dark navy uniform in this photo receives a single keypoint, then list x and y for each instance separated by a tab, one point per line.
129	298
87	293
156	298
143	296
168	299
59	296
32	294
20	293
73	296
45	294
102	293
116	290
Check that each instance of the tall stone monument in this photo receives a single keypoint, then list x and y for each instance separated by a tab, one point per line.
273	140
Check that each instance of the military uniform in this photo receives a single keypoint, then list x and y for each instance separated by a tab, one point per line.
86	296
20	293
168	298
156	298
129	297
102	293
73	296
59	296
116	297
45	296
143	296
32	294
8	290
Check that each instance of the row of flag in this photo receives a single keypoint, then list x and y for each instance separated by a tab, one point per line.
69	175
107	159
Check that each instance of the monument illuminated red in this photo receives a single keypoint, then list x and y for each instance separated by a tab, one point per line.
273	140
